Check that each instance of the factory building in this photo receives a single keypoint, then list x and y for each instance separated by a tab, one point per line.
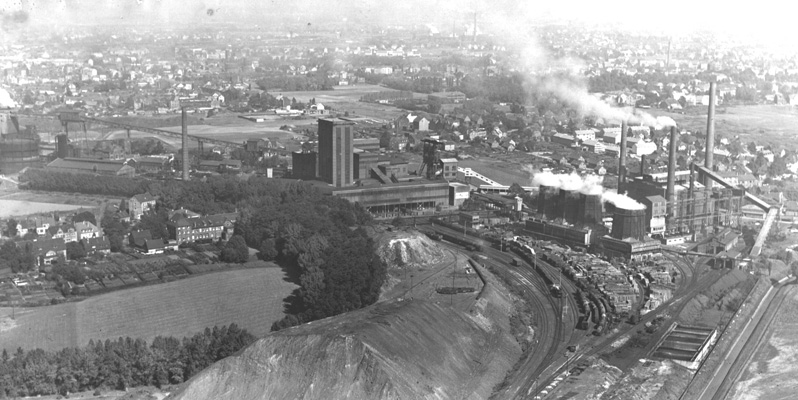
336	148
399	198
305	165
567	234
656	211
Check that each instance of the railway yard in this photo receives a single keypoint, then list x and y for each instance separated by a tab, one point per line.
584	335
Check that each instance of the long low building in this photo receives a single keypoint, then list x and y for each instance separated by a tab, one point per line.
91	166
393	198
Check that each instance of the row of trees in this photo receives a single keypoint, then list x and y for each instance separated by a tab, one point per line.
118	364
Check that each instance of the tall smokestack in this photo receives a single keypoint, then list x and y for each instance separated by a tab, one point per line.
670	192
184	124
709	149
622	161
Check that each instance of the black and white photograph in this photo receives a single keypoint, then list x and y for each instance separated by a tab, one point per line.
398	200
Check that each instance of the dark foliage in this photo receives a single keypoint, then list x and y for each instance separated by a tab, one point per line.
75	250
18	259
85	216
235	251
118	364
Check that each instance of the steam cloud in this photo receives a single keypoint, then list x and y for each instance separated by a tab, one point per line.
5	100
590	185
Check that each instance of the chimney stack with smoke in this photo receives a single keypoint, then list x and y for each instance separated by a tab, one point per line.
184	124
709	149
670	191
622	161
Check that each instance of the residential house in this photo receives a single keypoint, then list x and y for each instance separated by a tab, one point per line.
44	250
186	229
153	246
585	134
139	204
97	245
421	124
139	238
87	230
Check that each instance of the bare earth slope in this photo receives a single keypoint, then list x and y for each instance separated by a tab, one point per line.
410	349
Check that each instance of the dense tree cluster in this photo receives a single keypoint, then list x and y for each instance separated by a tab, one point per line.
117	364
16	258
235	250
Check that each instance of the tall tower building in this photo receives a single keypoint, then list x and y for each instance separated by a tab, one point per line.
336	138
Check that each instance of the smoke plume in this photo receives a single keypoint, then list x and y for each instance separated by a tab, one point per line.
589	185
5	100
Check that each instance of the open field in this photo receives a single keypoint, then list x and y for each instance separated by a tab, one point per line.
503	172
251	298
764	124
351	93
13	208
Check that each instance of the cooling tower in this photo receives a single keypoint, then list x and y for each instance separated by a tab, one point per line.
629	224
590	209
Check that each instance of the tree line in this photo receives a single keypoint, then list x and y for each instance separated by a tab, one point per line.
117	364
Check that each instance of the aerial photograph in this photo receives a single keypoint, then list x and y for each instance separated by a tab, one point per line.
366	199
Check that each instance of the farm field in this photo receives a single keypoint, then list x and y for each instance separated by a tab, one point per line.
251	298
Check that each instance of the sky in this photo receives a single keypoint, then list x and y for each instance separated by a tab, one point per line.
765	21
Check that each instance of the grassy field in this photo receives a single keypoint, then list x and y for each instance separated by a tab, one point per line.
503	172
339	93
764	124
14	208
251	298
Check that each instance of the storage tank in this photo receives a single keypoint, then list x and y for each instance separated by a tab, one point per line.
629	223
17	152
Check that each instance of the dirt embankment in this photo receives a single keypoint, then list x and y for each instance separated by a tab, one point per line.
410	349
407	249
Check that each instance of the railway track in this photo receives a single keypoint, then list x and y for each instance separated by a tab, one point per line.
552	336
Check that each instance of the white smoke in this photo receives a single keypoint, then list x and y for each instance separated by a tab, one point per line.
514	23
5	99
589	185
